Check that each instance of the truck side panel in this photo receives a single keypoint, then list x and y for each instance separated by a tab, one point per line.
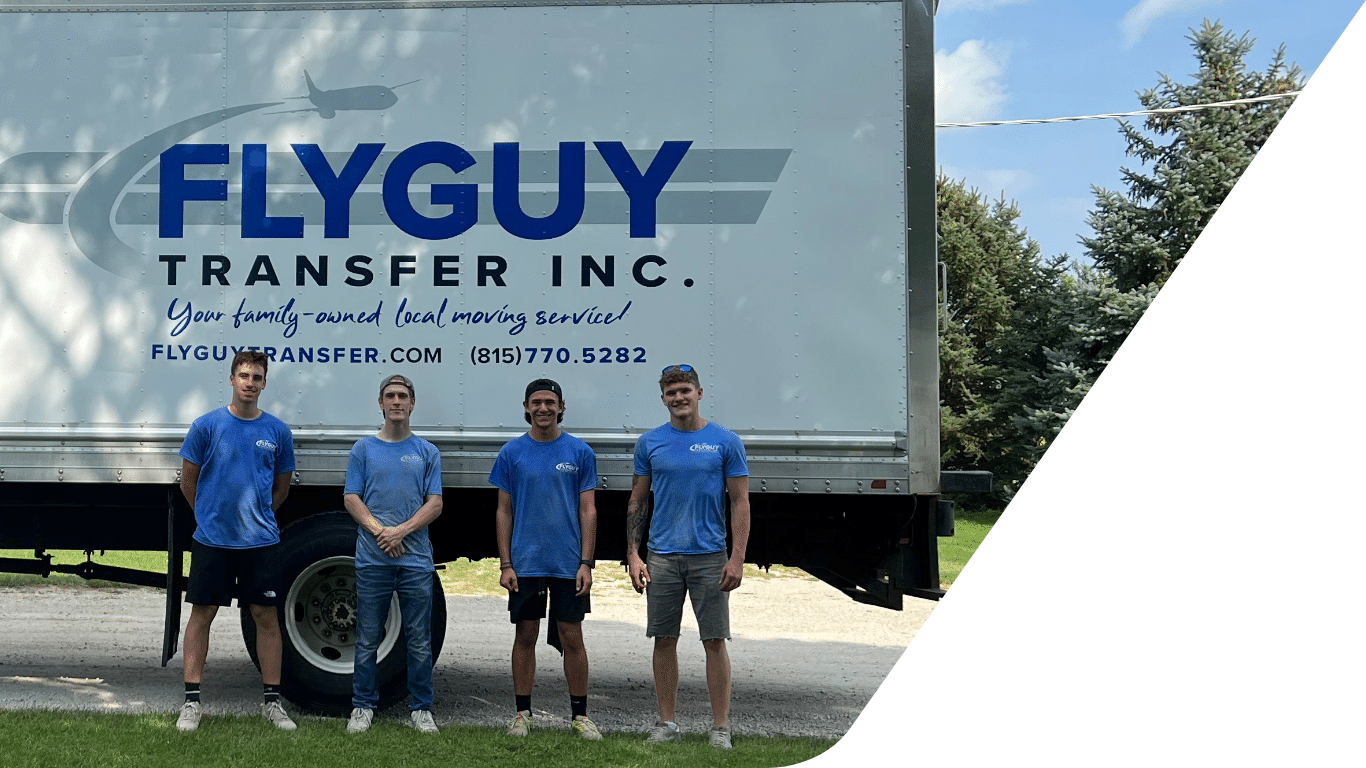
721	185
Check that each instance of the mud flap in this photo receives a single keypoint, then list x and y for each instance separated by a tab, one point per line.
175	566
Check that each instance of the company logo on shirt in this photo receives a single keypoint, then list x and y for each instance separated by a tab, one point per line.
704	448
268	445
565	466
411	458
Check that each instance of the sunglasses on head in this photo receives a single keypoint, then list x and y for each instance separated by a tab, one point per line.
683	368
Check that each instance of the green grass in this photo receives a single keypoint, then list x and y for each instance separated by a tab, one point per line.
143	561
472	577
480	577
969	529
462	577
40	739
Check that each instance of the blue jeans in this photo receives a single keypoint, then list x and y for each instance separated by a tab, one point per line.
374	586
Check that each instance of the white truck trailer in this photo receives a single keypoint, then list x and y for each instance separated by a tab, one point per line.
474	194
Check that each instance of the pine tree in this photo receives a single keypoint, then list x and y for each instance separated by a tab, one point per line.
999	293
1195	158
1024	339
1092	317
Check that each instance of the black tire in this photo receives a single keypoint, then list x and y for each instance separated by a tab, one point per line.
317	619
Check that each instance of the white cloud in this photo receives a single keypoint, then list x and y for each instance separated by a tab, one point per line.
950	6
1008	181
968	83
1141	17
992	182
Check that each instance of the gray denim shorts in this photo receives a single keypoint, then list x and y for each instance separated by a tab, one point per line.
699	578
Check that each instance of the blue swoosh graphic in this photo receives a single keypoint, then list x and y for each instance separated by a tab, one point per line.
89	217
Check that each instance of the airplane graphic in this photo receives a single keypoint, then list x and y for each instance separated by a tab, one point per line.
362	97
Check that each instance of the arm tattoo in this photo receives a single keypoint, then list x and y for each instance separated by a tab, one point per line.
635	523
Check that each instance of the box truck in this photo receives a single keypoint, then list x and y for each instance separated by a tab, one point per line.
473	194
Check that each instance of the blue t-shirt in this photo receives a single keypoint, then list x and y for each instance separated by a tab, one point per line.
238	461
545	480
394	480
688	472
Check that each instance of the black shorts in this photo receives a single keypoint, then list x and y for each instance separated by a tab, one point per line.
528	602
218	575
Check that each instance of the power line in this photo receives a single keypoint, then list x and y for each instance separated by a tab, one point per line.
1167	111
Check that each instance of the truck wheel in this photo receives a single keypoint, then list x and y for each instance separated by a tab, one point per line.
318	619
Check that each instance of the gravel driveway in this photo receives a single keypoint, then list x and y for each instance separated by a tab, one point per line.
806	659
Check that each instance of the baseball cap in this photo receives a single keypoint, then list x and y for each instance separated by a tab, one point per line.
398	378
543	384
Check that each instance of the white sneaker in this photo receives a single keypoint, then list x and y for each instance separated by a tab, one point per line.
360	720
189	716
663	731
521	725
278	717
422	720
585	728
720	736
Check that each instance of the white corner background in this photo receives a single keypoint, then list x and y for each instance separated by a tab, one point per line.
1180	582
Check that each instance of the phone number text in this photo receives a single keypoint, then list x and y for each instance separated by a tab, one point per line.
545	355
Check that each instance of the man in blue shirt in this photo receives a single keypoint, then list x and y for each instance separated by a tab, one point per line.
393	491
236	464
691	464
547	528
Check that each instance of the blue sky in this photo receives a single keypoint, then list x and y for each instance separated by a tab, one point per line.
1016	59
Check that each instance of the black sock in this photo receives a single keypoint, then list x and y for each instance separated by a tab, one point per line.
192	691
578	706
272	693
523	702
